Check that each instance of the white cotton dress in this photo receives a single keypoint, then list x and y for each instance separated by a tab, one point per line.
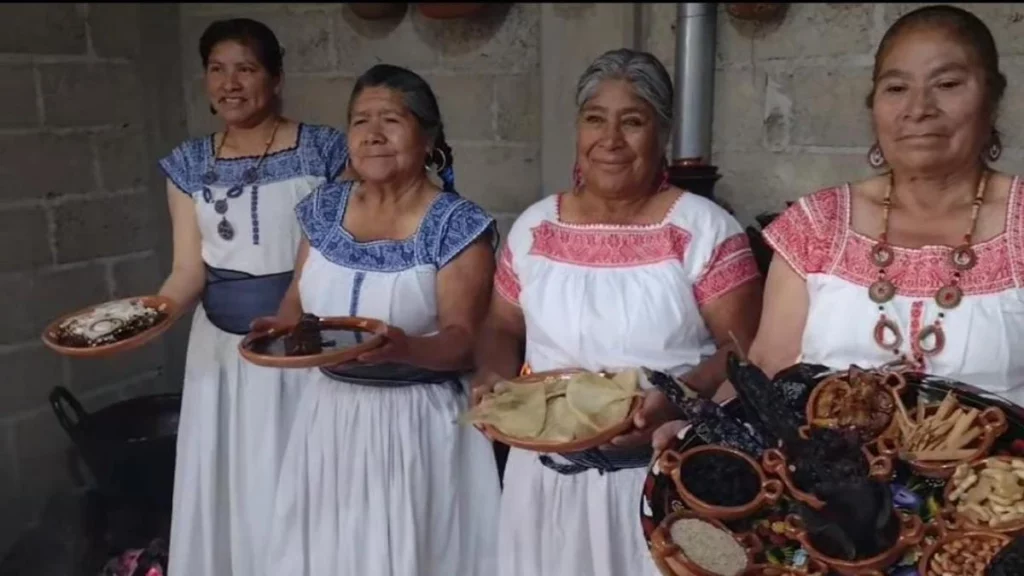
814	236
382	481
595	297
235	416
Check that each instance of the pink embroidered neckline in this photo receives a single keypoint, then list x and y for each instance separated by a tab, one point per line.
664	221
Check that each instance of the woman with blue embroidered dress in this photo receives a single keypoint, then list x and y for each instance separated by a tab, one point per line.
624	271
232	197
378	478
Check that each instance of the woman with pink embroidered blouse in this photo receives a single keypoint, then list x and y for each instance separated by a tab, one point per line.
624	271
923	265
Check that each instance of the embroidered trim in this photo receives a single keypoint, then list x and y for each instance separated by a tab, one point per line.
609	248
506	282
320	151
353	302
814	237
254	210
450	225
732	265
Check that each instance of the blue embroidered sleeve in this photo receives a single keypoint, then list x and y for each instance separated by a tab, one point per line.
318	211
465	223
179	166
335	151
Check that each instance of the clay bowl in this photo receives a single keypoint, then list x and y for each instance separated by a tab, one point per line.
771	489
159	303
776	464
578	445
812	568
670	558
894	382
911	533
329	357
377	10
449	11
955	521
945	534
993	421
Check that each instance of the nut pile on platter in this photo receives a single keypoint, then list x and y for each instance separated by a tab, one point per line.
881	461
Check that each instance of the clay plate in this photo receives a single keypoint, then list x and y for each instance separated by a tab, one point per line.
945	534
578	445
955	521
352	336
159	303
774	462
911	533
771	489
993	421
671	561
894	382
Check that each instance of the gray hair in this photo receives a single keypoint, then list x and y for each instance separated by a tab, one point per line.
644	72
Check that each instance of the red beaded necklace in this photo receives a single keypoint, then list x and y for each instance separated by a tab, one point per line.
962	258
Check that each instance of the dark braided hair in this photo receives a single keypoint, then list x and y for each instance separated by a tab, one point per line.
419	98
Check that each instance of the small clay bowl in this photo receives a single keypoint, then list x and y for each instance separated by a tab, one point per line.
776	464
944	534
911	533
812	568
993	421
771	488
893	382
956	521
670	558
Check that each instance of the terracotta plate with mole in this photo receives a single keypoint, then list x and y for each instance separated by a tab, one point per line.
110	328
313	342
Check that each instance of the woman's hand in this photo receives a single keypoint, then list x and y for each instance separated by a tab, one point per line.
397	348
666	433
483	383
655	410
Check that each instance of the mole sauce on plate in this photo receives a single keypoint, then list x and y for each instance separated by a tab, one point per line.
720	479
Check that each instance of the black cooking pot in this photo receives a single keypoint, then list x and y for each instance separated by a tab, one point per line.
129	446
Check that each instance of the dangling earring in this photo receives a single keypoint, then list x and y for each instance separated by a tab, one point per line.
875	158
577	177
995	147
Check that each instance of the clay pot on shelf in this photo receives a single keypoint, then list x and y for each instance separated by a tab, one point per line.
756	12
378	11
451	11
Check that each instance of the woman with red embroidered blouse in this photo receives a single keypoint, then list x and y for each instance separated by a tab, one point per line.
923	265
624	271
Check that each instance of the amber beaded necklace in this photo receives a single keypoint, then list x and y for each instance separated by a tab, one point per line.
962	258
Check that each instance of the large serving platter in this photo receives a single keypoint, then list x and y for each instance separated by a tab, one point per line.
912	493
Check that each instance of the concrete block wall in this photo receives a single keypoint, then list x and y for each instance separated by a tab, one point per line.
77	225
789	112
485	73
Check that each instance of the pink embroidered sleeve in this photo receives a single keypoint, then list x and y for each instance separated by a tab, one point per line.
802	234
732	265
506	281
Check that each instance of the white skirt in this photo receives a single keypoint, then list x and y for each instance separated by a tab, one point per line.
233	430
559	525
383	482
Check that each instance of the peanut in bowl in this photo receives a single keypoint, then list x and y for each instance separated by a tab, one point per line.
960	553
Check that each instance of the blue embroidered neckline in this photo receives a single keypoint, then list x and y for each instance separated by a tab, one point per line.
450	224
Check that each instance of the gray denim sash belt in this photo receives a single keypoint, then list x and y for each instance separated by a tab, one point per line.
232	299
600	460
392	376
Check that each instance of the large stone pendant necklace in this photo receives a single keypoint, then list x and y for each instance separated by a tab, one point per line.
225	229
961	259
